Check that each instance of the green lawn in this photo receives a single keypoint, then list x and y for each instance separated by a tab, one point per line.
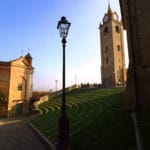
97	120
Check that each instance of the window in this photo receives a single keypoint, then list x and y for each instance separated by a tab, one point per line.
117	29
19	87
106	31
107	60
106	49
118	47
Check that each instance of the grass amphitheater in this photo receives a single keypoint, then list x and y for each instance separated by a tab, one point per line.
97	120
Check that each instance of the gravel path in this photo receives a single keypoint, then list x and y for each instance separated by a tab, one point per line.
15	134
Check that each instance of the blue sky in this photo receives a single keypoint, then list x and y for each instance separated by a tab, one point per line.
30	26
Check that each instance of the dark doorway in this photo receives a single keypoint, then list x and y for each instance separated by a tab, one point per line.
19	108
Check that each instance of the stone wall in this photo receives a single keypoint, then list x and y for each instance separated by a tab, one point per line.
4	79
41	100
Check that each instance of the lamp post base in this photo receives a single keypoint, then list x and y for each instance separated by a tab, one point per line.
63	141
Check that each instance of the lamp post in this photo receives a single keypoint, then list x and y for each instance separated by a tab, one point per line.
63	139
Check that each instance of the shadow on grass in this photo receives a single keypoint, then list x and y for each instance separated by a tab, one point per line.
113	129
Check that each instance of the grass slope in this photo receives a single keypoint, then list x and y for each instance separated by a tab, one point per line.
97	120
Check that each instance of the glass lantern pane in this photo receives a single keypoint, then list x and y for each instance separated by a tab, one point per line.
64	26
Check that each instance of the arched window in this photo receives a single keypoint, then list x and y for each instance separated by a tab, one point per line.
105	30
117	29
118	47
19	86
106	49
107	60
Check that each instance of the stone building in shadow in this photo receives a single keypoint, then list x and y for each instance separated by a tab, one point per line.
136	20
15	86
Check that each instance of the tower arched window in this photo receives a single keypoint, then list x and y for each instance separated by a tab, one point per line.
117	29
107	60
106	49
118	47
106	31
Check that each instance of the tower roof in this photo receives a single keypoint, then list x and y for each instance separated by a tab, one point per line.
110	15
109	10
28	56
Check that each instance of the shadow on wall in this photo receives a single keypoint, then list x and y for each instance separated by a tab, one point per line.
19	108
3	109
16	110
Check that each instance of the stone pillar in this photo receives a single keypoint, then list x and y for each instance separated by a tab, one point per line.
136	20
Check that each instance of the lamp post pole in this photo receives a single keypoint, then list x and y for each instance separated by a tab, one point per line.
63	139
64	78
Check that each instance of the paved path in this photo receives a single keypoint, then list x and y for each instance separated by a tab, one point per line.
15	134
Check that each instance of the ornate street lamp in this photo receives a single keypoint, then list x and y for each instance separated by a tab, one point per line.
63	139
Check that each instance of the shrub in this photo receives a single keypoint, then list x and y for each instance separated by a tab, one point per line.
2	97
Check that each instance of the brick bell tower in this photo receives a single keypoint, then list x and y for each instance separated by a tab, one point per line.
113	71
